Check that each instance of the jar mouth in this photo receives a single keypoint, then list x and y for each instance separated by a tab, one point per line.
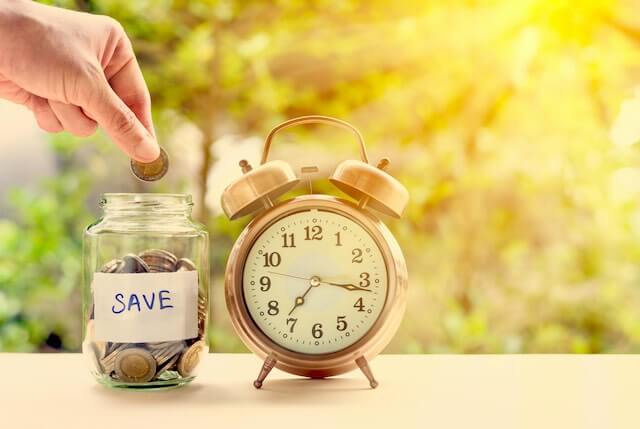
146	202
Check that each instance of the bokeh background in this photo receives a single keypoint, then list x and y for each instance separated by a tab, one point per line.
504	118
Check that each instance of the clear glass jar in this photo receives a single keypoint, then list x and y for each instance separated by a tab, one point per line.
145	292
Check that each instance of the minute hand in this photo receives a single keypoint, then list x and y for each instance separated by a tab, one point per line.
347	286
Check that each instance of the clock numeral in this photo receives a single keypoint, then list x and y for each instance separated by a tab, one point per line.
313	233
293	322
288	240
341	323
365	282
359	304
337	234
357	256
265	283
273	308
316	331
272	259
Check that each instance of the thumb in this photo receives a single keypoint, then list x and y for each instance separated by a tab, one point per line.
121	124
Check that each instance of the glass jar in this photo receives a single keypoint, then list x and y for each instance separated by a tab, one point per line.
145	292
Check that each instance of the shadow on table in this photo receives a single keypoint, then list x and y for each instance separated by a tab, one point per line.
293	391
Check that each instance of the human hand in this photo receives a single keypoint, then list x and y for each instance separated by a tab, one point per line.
74	71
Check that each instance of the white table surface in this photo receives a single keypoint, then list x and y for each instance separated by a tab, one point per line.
436	391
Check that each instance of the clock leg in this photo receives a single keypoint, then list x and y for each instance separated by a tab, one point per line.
364	367
267	366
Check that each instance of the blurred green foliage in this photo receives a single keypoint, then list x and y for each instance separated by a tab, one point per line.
522	232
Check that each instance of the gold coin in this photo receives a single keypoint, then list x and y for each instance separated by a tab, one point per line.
151	171
190	359
135	365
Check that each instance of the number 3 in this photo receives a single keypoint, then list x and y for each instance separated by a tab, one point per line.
365	282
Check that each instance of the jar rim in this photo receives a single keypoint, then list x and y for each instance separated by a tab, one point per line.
144	194
145	201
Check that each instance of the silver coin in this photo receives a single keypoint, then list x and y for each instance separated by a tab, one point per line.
111	347
174	349
110	356
161	254
169	365
133	264
151	171
108	362
159	268
163	355
159	345
159	260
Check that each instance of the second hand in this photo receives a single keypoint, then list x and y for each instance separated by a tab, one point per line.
289	275
347	286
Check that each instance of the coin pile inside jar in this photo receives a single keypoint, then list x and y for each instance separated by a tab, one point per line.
144	362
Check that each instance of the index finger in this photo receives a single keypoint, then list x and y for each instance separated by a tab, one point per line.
128	83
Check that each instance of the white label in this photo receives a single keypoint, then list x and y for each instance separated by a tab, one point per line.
145	307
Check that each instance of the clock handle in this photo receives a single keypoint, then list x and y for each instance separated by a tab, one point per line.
364	367
267	366
314	119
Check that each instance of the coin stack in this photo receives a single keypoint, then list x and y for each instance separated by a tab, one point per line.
144	362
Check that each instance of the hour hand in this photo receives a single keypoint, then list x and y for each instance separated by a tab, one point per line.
298	303
348	286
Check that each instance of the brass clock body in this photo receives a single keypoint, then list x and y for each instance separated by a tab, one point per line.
258	312
323	364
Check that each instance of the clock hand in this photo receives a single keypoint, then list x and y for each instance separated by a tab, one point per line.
348	286
289	275
299	300
313	282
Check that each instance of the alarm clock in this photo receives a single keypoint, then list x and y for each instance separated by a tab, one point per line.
315	285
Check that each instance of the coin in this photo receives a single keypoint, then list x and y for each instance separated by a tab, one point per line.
159	260
185	264
112	347
111	266
133	264
169	365
159	346
129	362
202	314
165	354
151	171
109	360
135	365
190	359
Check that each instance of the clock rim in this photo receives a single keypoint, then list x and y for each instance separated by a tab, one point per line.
340	361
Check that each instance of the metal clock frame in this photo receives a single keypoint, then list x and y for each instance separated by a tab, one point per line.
329	364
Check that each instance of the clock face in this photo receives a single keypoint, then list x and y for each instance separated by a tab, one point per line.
315	281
